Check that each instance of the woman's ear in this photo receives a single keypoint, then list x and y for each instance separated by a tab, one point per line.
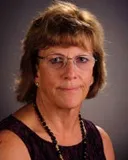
37	74
37	78
92	80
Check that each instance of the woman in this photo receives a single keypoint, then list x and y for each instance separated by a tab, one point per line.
63	64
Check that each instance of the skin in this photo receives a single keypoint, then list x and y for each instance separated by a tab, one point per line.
66	88
59	98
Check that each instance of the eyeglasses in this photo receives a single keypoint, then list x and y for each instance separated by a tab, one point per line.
59	61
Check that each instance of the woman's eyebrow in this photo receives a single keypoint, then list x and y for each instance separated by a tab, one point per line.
78	54
50	52
56	53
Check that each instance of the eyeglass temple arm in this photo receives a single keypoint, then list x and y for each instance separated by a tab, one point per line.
40	57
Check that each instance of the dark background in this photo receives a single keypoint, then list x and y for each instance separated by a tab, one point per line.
109	108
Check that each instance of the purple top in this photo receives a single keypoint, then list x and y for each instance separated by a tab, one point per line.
40	149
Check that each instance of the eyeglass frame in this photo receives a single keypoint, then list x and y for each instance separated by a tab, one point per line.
67	58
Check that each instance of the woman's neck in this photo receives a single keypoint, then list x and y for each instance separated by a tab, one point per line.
59	119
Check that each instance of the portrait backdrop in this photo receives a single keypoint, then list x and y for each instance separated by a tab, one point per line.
109	108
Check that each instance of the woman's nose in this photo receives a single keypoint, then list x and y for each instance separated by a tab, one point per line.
70	70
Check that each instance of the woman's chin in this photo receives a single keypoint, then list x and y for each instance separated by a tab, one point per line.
70	103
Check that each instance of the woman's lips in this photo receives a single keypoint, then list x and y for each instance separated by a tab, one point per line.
69	88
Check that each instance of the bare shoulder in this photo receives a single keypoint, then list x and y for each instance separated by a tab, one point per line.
108	147
12	147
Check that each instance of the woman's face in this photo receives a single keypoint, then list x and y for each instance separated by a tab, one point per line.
68	85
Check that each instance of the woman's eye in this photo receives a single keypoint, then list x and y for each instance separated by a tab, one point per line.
56	60
82	59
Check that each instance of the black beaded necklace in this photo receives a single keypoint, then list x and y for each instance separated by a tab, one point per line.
53	138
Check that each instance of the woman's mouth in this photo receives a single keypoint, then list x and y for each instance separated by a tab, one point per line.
69	88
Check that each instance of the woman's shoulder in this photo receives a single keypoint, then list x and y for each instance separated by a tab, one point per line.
107	144
19	119
12	147
12	131
102	137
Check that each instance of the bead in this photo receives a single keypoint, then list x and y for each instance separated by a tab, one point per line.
61	157
53	138
44	124
54	141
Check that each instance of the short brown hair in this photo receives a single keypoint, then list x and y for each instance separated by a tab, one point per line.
61	24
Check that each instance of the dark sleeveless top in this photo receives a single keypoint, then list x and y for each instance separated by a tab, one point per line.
40	149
